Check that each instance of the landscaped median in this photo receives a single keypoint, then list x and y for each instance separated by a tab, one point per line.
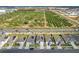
37	33
17	34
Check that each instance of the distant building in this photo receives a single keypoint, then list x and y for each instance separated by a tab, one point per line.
6	10
2	11
71	13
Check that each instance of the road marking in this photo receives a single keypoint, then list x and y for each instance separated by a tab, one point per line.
27	45
4	42
74	46
21	45
14	41
59	47
48	46
41	45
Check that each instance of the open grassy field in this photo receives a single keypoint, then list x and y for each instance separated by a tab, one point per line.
32	19
55	20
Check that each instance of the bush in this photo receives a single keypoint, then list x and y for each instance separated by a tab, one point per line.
6	45
16	44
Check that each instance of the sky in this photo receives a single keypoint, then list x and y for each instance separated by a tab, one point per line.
38	6
39	2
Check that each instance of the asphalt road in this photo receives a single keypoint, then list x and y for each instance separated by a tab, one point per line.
39	51
54	30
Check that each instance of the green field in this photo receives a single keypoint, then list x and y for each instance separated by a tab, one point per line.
32	19
55	20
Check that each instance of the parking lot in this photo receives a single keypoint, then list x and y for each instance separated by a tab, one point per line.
43	41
